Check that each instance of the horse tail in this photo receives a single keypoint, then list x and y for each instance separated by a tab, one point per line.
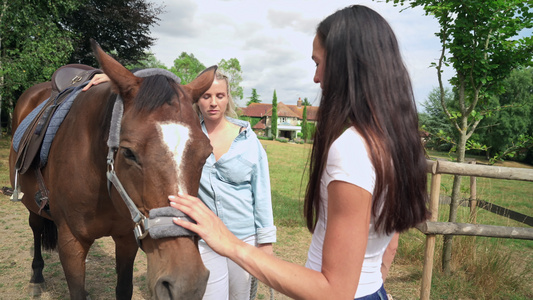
49	235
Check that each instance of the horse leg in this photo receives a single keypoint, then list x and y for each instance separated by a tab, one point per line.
37	280
72	254
125	252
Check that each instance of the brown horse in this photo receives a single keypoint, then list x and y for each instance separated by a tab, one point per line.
160	151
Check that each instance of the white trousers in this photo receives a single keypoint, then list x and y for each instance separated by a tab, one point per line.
227	281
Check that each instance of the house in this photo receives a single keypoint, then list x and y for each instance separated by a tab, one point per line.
290	118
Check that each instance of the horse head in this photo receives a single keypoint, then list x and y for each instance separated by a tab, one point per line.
160	150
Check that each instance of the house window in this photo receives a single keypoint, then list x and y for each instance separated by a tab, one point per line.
283	119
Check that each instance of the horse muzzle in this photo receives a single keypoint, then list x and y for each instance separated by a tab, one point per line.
175	268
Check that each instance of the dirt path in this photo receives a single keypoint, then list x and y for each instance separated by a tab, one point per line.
16	242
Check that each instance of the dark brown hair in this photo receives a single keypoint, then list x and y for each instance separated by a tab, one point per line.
366	85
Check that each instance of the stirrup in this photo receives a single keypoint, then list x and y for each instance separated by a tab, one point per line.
17	194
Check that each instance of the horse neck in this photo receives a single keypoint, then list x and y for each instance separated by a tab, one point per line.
97	105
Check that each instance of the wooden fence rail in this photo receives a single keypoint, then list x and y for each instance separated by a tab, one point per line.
450	228
431	228
454	168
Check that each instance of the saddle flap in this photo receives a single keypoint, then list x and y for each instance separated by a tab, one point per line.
68	76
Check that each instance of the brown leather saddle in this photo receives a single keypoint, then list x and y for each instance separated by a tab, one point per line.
68	76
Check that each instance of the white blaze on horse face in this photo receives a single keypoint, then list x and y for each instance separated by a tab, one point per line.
176	136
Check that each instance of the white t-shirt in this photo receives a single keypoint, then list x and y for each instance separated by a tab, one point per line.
348	161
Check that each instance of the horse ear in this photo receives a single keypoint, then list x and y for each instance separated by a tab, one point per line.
123	82
201	83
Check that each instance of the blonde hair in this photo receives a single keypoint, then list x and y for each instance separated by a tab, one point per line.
231	107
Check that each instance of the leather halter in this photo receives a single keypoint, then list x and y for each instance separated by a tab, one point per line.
159	224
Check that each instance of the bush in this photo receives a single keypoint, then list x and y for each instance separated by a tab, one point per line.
268	138
282	140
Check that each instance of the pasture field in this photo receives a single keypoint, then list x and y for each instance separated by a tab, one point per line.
483	268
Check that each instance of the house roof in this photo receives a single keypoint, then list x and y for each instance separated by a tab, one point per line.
284	110
312	111
256	110
260	125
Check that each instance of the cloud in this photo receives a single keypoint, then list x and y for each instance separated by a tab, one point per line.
294	20
272	41
177	19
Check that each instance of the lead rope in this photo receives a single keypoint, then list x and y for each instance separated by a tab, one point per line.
253	289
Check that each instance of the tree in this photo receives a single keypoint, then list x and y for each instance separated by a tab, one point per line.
187	67
232	69
480	42
121	26
32	45
274	120
305	127
306	102
37	37
435	122
505	128
254	98
3	10
149	62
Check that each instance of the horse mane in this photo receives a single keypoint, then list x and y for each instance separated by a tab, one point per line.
155	91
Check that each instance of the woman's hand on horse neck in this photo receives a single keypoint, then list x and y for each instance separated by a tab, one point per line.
97	79
343	252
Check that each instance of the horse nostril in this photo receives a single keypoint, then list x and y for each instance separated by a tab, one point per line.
168	288
163	290
165	284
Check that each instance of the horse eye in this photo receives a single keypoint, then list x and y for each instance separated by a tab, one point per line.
128	154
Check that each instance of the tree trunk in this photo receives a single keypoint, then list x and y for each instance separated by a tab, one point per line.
4	8
454	204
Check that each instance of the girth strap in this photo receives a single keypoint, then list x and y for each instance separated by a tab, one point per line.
42	197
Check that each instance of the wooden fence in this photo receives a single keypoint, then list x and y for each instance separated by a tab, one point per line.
431	227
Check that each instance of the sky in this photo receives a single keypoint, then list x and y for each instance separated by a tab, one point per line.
273	41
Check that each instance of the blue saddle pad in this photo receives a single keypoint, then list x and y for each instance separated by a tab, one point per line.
57	118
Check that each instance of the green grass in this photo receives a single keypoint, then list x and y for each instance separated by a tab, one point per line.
287	163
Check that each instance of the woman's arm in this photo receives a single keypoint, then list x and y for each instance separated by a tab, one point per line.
97	79
343	252
262	202
267	248
388	256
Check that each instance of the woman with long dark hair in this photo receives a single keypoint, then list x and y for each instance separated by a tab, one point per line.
367	172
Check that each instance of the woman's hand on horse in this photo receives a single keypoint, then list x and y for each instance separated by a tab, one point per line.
208	225
97	79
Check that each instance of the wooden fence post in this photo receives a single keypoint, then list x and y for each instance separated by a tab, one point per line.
473	209
473	197
427	272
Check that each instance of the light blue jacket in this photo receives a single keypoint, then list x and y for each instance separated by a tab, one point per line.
237	187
